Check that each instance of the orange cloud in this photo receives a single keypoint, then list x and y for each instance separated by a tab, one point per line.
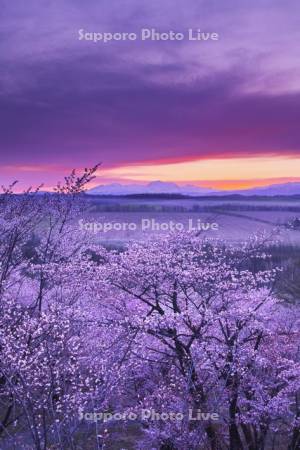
229	185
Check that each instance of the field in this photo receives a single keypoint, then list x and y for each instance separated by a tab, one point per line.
237	218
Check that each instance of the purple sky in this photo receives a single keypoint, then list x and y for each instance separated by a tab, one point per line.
69	103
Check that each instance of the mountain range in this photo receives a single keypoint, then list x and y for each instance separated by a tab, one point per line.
155	187
160	187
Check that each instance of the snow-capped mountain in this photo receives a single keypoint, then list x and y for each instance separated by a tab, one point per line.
292	188
155	187
160	187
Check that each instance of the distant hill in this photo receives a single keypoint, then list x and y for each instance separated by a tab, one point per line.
160	187
274	189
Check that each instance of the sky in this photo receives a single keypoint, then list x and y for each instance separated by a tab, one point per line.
222	114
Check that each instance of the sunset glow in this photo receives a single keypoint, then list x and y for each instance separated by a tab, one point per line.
234	173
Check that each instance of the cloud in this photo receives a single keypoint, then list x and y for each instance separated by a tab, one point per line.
84	114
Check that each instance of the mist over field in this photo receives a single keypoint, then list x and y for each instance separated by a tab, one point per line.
236	217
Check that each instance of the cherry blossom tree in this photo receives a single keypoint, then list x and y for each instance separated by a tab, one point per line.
185	327
207	334
44	377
